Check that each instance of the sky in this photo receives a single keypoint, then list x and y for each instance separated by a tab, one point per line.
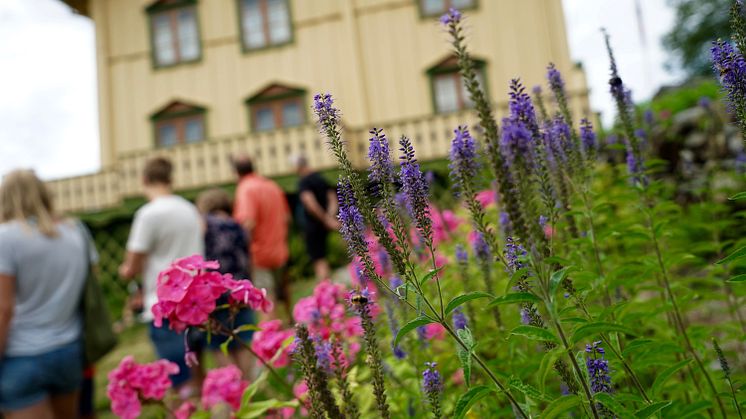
48	102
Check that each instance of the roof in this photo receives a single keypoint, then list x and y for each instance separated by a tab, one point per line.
79	6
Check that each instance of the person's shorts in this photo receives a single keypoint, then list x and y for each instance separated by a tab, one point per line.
171	346
245	316
316	243
27	380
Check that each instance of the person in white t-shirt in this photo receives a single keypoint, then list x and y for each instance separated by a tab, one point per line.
167	228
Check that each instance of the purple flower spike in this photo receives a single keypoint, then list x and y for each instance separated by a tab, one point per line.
381	168
462	257
555	79
323	106
459	319
587	136
351	220
598	368
463	156
415	190
451	17
513	252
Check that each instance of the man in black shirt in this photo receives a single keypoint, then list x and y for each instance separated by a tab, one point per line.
319	202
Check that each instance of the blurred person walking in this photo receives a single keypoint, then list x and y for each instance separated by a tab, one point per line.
225	241
167	228
262	210
319	201
44	263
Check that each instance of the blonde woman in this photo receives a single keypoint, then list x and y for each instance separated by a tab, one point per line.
43	267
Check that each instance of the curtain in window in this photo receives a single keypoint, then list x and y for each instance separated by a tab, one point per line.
291	114
264	119
167	135
252	22
433	7
194	130
278	20
188	34
163	40
446	93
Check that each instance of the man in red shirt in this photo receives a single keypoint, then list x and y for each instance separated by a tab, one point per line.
262	210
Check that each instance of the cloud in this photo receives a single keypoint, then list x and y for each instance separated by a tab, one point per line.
48	109
640	62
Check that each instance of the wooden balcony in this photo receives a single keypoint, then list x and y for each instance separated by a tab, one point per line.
207	163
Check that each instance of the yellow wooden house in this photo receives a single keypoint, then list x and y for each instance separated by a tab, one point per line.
199	80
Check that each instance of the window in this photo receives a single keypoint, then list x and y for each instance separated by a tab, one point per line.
277	107
174	32
448	89
179	123
264	23
438	7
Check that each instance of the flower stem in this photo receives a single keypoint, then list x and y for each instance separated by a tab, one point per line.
677	317
575	365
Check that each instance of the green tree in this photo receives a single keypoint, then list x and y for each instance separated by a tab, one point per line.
698	23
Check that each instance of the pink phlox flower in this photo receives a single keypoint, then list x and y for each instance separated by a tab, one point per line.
130	382
185	410
440	260
435	331
268	340
223	385
486	197
196	263
195	308
173	284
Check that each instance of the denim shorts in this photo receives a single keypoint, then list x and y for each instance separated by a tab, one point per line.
27	380
241	318
171	345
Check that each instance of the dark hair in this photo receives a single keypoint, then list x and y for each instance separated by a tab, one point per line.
158	171
214	200
243	165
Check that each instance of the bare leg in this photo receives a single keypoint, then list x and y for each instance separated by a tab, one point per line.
245	362
41	410
65	405
321	269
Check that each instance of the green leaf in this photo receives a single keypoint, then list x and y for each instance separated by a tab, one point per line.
246	327
259	408
556	279
467	400
411	325
527	390
224	345
733	256
534	333
664	375
650	410
430	275
693	408
599	327
737	278
461	299
252	389
514	297
610	403
736	197
547	362
559	407
464	355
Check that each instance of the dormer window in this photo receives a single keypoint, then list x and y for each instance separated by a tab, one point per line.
277	107
448	89
438	7
174	32
179	123
264	23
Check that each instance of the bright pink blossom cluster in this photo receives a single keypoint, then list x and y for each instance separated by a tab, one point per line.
130	383
223	385
188	290
269	339
325	312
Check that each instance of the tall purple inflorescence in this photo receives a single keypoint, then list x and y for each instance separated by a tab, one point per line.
587	138
381	168
463	156
513	253
520	106
351	220
516	141
415	190
323	106
462	256
598	368
459	319
555	79
432	386
481	248
452	16
730	67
